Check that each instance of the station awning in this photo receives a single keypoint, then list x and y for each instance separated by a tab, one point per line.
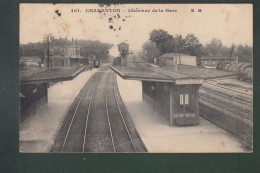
183	75
140	73
53	75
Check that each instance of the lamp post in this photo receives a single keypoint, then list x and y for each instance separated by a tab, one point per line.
48	37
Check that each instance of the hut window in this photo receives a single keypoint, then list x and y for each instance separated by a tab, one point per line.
187	99
184	99
181	99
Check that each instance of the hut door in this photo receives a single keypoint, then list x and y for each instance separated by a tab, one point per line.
184	106
185	103
50	65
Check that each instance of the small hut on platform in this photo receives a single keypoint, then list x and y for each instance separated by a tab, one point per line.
172	89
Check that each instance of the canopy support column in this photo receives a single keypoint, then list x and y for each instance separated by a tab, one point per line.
171	115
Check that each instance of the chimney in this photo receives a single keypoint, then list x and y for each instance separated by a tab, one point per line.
72	40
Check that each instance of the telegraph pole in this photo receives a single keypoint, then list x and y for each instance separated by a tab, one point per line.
48	52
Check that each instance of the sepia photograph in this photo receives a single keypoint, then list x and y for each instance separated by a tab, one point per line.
135	78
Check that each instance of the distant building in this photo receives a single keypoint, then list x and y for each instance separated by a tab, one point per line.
123	49
64	54
213	61
133	60
170	59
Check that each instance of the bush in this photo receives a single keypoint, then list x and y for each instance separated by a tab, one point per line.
23	66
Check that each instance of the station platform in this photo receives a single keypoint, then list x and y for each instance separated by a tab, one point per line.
37	133
159	137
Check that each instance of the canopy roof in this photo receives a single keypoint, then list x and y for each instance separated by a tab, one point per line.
53	75
168	73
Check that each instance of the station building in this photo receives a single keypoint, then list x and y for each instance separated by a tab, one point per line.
180	58
63	53
213	61
123	49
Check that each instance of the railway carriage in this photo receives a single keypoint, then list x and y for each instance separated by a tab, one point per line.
96	63
117	61
244	70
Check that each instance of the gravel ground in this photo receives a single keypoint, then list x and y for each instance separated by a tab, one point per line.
98	137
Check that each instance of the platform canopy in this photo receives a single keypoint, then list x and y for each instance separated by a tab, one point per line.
53	75
183	75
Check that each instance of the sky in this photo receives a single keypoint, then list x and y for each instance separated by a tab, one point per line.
231	23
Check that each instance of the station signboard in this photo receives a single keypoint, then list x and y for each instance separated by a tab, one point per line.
189	81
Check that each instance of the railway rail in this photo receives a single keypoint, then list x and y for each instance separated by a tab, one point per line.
230	89
122	138
98	121
229	109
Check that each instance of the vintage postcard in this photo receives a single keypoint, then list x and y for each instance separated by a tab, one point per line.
136	78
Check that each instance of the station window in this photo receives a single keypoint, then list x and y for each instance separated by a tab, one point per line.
213	62
205	62
61	52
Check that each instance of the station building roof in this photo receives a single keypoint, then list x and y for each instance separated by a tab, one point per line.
194	74
172	55
218	58
52	75
123	43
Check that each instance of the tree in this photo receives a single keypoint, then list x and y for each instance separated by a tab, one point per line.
87	48
32	49
150	50
169	46
180	45
214	47
97	48
192	45
227	51
142	55
244	53
160	38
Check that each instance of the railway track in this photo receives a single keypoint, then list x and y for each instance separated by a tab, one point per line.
227	101
74	139
95	121
230	89
229	109
122	138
